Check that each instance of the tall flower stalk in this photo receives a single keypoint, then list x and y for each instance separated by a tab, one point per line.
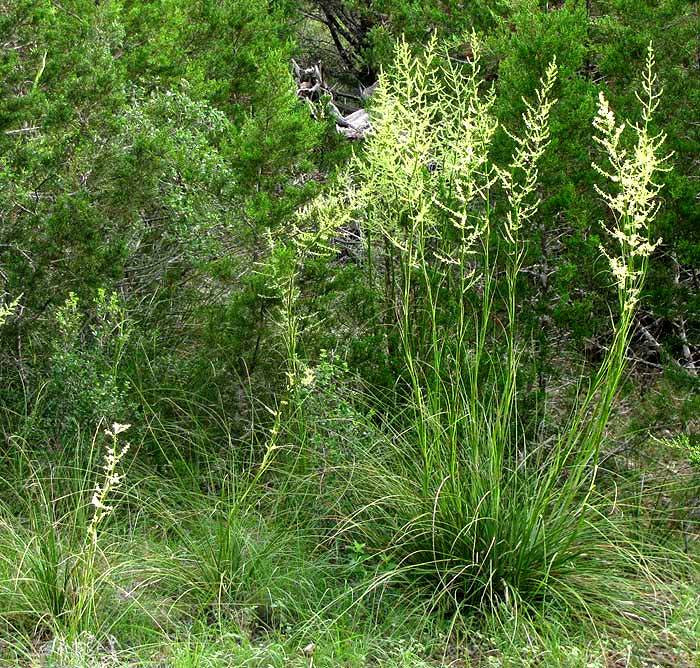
108	482
631	194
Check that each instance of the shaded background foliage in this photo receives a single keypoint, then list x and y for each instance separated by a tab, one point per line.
149	149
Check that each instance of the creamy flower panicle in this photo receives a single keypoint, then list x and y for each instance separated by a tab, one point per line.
114	454
634	201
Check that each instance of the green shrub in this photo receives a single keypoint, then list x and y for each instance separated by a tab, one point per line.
87	375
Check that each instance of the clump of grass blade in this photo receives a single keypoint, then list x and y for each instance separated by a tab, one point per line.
458	498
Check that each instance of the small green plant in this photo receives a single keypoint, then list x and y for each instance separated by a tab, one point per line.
86	375
233	568
218	563
687	445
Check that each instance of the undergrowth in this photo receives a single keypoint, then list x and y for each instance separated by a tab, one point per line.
420	525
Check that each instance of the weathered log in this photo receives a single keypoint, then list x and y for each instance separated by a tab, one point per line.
311	88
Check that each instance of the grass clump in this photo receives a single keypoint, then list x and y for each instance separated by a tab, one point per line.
458	495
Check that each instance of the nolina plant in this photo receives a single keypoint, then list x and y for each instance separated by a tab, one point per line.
460	500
